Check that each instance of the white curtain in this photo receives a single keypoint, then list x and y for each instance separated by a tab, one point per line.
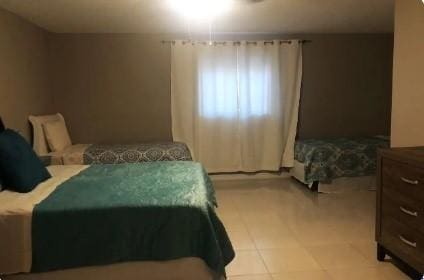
236	104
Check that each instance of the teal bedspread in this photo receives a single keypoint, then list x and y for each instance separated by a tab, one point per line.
328	159
154	211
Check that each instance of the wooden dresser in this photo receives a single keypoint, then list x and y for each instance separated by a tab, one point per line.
400	206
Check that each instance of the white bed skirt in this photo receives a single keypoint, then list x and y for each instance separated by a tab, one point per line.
298	172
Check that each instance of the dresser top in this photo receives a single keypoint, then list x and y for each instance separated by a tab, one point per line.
410	154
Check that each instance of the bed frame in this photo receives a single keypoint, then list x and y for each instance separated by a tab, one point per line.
181	269
298	172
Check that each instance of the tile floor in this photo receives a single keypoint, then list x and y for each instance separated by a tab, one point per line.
282	231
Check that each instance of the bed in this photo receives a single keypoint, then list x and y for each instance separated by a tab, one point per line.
322	160
90	154
117	154
90	218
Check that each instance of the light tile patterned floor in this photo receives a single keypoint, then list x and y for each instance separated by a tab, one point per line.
282	231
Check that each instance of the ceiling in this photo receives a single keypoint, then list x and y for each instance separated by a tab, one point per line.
155	16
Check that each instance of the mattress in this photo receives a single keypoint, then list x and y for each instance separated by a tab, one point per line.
117	154
161	211
318	160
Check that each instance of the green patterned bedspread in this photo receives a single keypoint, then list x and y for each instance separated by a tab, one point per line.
154	211
343	157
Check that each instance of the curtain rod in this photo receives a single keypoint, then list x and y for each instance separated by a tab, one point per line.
234	42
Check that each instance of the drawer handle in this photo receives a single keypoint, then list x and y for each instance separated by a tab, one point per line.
407	242
408	181
408	212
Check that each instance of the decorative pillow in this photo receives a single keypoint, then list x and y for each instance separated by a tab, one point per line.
2	128
21	169
39	140
57	135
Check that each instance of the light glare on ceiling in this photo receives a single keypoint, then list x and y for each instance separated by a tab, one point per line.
201	9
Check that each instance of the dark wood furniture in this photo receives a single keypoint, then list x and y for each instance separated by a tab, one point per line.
400	207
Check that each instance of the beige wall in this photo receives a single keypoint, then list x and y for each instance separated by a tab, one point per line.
408	75
23	72
346	88
115	87
112	88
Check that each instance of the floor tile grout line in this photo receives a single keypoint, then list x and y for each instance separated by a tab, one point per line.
244	275
264	263
350	243
361	253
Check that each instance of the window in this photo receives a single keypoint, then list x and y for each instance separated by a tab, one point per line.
230	88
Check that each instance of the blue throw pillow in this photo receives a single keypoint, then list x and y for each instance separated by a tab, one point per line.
21	169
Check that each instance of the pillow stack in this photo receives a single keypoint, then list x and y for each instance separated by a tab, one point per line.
20	168
57	135
49	134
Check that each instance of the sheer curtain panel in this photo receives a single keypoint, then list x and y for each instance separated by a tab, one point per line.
236	104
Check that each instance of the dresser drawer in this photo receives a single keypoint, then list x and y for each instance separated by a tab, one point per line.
403	178
406	243
403	209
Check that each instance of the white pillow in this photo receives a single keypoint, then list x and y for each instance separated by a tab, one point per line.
40	145
57	135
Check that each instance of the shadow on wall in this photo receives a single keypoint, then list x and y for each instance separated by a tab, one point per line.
347	86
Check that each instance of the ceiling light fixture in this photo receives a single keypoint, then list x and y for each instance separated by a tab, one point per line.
201	9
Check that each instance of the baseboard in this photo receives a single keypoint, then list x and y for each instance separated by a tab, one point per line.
249	176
